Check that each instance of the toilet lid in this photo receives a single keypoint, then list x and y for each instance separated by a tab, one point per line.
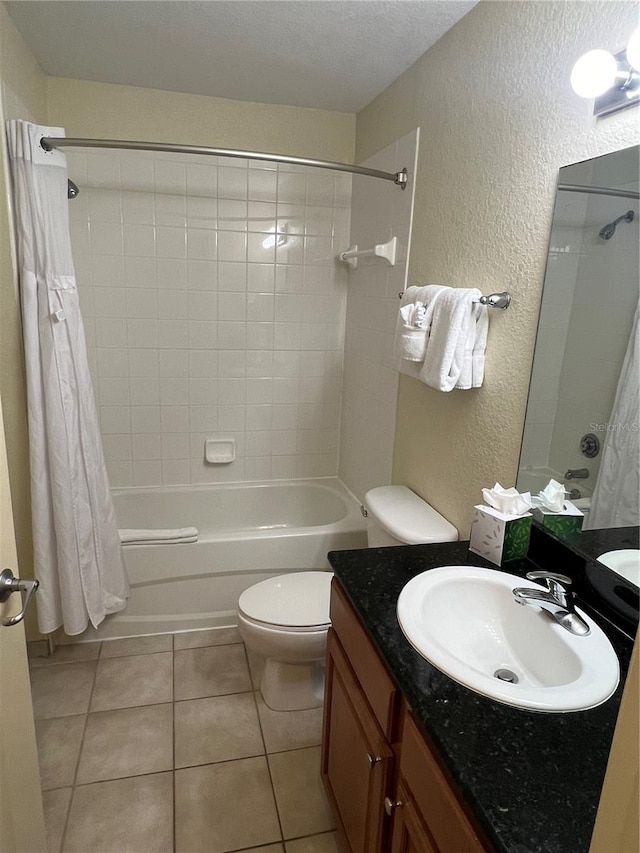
298	600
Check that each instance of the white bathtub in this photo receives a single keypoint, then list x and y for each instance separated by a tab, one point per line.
247	533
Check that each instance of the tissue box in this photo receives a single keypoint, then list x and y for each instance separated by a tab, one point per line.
565	524
498	537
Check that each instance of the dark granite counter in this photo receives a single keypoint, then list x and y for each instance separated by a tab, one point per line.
532	779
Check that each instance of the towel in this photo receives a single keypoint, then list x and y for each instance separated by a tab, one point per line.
159	537
413	327
454	356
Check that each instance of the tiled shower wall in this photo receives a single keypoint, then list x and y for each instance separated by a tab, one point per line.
380	211
214	308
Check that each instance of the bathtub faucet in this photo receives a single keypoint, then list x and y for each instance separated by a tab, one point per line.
576	474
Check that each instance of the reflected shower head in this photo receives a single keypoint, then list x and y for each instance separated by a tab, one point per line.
607	231
72	189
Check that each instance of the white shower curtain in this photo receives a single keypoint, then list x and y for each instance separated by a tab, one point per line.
77	552
616	497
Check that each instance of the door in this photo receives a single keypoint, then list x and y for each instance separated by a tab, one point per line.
409	833
356	761
21	818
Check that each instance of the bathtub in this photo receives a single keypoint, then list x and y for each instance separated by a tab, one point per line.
247	532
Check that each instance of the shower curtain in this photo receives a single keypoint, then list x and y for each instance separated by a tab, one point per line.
616	497
77	551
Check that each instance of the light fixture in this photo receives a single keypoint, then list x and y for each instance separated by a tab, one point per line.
613	81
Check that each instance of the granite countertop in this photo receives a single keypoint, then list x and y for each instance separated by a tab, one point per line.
533	780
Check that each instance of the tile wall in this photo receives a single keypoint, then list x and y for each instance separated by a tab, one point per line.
214	308
380	211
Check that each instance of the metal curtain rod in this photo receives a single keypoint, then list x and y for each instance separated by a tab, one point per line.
577	188
50	142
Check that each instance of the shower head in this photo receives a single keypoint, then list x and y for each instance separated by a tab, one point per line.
607	231
72	189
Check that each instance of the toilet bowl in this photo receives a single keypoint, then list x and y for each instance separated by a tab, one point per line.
286	618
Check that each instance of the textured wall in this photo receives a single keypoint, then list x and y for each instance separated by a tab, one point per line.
104	110
498	119
23	96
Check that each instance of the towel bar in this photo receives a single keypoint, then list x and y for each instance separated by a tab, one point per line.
380	250
494	300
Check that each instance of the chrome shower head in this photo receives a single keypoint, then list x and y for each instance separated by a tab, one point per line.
607	231
72	189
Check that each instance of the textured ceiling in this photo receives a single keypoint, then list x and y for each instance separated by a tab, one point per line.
328	54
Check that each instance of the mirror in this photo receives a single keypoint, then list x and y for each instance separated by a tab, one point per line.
582	419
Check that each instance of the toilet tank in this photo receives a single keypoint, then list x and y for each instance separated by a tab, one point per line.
397	516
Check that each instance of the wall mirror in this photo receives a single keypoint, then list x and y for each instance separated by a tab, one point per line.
582	419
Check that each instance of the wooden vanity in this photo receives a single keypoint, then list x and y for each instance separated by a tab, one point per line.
384	779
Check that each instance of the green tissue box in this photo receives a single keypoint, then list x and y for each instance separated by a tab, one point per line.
566	524
498	537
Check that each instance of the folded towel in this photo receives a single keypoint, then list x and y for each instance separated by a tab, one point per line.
158	537
456	342
413	327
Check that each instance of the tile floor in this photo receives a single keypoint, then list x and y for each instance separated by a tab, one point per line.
162	743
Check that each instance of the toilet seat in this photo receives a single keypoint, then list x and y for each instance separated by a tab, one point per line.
293	603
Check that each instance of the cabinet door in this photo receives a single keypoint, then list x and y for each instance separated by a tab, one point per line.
356	759
409	832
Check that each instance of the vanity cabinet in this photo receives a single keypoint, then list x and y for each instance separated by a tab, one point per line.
387	790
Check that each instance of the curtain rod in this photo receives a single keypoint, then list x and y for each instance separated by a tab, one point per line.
50	142
577	188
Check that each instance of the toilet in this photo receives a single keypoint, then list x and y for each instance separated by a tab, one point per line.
286	618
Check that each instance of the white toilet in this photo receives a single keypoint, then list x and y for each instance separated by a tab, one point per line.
286	618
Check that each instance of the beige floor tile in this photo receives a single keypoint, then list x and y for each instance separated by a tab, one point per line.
127	742
60	691
133	681
124	816
72	653
137	646
219	728
289	729
56	807
270	848
256	667
222	807
301	800
325	843
211	671
212	637
59	741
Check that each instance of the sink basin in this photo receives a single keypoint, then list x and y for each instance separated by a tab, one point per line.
465	621
625	562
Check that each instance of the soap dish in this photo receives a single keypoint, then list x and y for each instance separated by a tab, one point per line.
220	451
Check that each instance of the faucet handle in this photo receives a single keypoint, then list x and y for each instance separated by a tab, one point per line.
557	584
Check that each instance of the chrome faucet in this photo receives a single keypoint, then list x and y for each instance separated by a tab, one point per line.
576	474
556	600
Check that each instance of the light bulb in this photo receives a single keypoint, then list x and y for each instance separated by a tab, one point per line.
594	73
633	50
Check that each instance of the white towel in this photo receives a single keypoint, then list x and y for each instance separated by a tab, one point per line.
455	348
159	537
411	337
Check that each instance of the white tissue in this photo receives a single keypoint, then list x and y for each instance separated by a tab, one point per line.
507	501
551	497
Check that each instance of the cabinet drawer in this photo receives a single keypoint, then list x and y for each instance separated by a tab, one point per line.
374	679
451	829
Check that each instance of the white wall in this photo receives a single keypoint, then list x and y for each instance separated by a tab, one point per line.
379	211
198	330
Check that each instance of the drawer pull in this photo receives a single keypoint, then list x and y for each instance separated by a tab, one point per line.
373	759
389	805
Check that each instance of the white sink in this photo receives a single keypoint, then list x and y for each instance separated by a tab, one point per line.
466	621
625	563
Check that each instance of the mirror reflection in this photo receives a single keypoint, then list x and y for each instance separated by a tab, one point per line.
583	410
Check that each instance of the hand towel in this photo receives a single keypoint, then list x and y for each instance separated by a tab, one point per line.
450	347
411	337
159	537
